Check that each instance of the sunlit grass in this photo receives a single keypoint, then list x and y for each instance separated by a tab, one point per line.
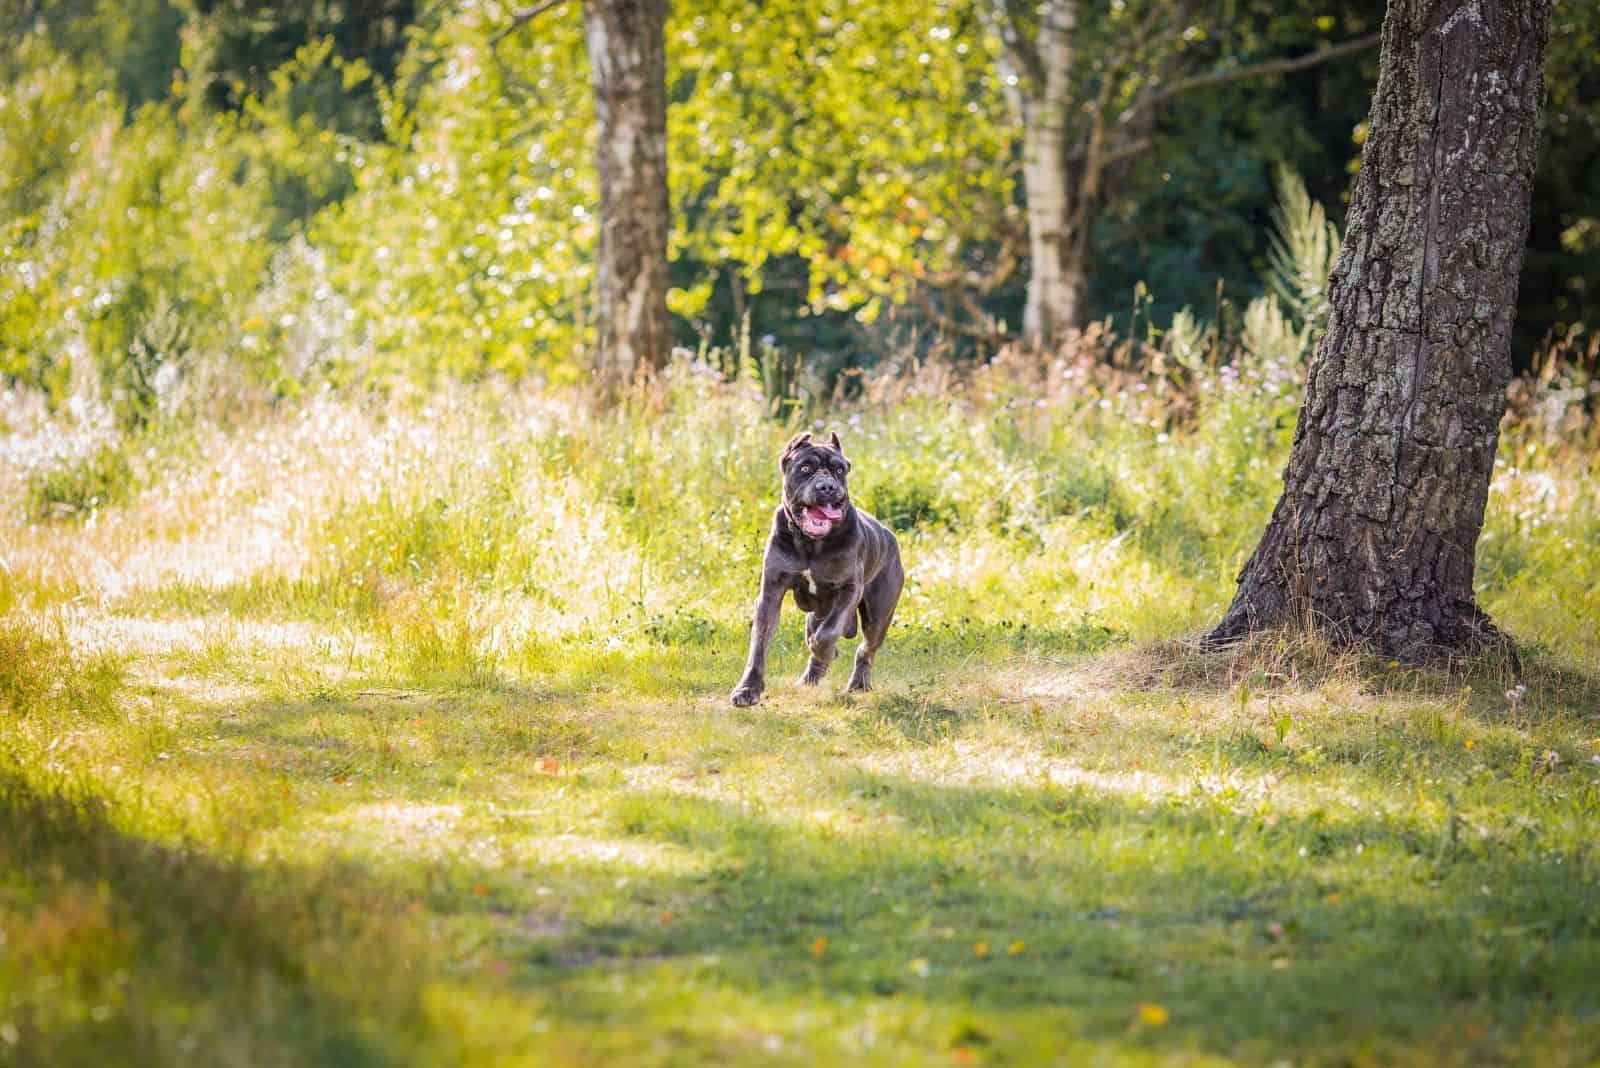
399	734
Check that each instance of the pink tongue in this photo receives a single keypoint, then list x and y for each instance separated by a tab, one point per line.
818	518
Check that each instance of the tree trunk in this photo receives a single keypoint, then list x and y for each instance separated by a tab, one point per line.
1055	270
1373	540
1056	274
627	60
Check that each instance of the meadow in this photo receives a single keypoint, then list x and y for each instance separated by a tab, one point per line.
394	729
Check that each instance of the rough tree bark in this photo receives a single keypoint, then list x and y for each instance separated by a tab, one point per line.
627	61
1373	539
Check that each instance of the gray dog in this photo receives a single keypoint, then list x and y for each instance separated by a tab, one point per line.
840	562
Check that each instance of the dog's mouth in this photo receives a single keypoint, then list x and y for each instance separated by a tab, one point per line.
817	519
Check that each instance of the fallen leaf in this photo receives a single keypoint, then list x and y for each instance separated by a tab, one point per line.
665	918
549	764
981	948
1153	1015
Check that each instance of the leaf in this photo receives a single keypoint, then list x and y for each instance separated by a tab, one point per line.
1152	1015
981	948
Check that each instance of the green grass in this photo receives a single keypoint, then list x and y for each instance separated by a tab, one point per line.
399	738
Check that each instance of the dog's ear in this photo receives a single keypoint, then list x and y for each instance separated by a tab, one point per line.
833	439
796	443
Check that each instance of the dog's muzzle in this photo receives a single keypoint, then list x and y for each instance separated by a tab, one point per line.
816	520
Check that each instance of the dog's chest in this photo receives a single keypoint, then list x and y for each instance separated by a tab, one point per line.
811	581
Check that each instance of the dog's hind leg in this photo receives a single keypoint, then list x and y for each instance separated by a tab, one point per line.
877	611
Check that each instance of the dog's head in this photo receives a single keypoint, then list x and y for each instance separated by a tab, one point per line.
814	490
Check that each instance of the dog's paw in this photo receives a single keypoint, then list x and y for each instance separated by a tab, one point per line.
813	674
745	696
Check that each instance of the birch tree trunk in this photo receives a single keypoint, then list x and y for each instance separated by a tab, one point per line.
627	61
1373	539
1056	271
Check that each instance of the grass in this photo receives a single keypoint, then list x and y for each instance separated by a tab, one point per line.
390	735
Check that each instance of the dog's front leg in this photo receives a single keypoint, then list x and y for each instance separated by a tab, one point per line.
824	641
768	604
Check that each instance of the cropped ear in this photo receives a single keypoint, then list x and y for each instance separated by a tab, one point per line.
833	439
799	441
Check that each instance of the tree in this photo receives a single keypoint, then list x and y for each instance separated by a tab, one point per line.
1373	539
628	69
1086	96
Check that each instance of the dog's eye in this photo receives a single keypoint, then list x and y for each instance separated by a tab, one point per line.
806	469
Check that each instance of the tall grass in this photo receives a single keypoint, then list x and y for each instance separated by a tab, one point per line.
1042	508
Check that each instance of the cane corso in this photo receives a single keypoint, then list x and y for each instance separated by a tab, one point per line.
841	564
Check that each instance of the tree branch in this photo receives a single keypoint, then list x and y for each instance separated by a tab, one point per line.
523	16
1124	150
1251	70
1019	51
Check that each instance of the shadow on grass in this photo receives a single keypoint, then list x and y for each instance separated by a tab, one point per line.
120	950
1024	922
1032	923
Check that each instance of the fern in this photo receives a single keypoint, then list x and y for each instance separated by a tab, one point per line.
1270	336
1304	248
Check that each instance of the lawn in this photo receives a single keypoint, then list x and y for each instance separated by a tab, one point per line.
397	732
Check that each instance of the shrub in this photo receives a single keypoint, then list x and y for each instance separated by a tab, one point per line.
80	486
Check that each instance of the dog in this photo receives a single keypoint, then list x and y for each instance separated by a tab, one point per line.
842	565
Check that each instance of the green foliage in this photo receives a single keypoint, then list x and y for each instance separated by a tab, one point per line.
1304	249
235	48
80	486
482	229
141	243
467	245
137	42
859	184
308	191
